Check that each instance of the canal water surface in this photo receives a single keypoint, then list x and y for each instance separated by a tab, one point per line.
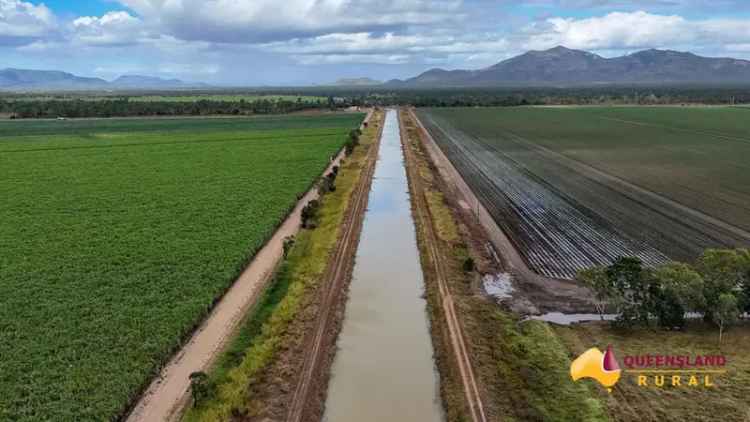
384	368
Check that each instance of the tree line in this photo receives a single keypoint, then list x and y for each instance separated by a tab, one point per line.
123	107
520	96
77	105
716	288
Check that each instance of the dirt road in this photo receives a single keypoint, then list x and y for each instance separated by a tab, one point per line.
166	397
437	261
309	393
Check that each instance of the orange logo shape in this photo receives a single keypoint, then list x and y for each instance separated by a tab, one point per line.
602	367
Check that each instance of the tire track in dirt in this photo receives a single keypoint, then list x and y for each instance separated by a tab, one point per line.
335	279
437	259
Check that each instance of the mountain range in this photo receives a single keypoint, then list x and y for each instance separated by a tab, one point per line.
562	66
35	80
357	82
557	66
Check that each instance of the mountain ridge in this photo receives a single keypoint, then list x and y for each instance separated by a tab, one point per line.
29	79
561	66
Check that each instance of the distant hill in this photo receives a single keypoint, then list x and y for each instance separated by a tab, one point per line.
562	66
52	79
149	82
357	82
37	80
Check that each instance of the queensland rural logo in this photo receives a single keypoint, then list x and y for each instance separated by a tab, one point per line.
649	370
602	367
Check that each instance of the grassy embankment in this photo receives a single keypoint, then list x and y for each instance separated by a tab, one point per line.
263	333
522	366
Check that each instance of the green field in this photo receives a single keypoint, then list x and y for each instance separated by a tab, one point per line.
606	163
117	237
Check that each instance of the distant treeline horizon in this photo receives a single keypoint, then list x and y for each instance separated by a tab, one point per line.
79	104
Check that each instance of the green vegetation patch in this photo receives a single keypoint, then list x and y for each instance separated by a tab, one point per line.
118	237
531	367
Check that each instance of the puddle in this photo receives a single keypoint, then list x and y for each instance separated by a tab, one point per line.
567	319
498	286
384	368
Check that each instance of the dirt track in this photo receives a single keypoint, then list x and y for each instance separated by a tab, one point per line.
167	396
437	260
308	398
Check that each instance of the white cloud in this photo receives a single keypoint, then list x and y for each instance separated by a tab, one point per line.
316	59
635	30
114	28
22	22
366	47
252	21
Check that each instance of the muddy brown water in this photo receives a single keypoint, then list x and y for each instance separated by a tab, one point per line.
384	368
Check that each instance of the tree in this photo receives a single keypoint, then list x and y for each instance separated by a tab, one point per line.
309	214
724	272
328	183
352	141
745	295
604	291
675	289
726	312
627	277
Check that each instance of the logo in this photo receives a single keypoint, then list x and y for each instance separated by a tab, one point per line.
602	367
649	371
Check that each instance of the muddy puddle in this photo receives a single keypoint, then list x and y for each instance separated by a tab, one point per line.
384	369
560	318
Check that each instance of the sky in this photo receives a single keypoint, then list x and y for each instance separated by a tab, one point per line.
303	42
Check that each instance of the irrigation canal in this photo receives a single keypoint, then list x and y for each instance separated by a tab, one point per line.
384	368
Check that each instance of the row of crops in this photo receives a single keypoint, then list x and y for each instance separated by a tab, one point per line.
671	179
117	237
554	236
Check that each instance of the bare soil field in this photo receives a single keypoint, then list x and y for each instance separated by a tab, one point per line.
571	194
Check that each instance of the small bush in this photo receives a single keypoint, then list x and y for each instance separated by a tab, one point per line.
469	265
310	214
288	244
200	388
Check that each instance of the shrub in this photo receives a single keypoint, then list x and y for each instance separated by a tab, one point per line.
469	264
199	387
310	214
